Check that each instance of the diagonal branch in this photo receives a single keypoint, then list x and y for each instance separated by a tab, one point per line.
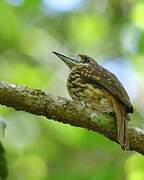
60	109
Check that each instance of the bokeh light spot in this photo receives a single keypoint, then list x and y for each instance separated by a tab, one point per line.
15	2
138	14
61	5
92	28
134	167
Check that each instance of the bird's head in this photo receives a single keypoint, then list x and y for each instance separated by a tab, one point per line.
80	60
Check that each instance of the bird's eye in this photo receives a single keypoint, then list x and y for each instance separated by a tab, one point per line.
87	60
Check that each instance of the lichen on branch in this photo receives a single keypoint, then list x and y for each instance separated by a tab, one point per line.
66	111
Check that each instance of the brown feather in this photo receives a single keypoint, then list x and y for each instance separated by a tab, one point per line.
121	115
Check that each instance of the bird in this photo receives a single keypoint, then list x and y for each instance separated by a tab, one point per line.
92	84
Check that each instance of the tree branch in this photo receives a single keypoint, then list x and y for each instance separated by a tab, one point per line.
60	109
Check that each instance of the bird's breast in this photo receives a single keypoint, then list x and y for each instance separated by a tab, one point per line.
83	91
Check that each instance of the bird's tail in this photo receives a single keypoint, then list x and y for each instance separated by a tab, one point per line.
122	122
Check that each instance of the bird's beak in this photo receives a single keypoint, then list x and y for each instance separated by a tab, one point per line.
67	60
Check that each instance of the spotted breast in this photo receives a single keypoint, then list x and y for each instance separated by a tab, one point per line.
92	94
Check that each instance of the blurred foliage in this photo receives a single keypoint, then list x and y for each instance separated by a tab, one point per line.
3	164
113	32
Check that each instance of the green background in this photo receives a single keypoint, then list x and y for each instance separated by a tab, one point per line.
112	32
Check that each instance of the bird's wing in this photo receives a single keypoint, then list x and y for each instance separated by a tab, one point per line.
106	79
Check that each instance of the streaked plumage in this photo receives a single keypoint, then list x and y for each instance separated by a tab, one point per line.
95	85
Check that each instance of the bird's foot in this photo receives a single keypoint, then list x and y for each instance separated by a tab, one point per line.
82	104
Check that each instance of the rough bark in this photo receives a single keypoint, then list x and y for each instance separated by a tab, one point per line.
60	109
